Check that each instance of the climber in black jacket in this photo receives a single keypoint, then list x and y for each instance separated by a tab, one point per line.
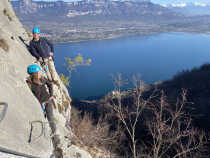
39	48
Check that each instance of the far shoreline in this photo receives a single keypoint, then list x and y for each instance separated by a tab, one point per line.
122	36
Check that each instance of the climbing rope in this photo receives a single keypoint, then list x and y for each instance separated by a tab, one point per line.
12	152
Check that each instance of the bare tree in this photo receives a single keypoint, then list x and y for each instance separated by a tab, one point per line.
129	114
173	135
171	130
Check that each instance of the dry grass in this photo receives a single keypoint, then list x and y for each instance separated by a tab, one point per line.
91	134
4	45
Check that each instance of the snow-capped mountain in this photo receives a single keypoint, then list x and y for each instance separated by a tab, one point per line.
190	9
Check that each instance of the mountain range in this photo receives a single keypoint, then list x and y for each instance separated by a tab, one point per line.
104	19
141	9
190	9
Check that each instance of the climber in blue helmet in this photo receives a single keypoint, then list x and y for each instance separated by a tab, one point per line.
33	69
36	34
36	30
43	50
43	91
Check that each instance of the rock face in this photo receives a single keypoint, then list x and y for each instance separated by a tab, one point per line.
23	107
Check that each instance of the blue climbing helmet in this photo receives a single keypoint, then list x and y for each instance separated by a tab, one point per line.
36	30
33	68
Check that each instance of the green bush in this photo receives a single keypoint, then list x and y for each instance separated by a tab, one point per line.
65	80
72	64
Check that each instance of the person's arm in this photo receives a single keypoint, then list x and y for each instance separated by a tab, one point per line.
35	91
33	51
50	44
50	87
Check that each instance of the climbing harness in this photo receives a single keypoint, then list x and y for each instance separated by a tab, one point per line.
44	68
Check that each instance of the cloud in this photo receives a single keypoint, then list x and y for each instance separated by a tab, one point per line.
179	5
164	5
200	4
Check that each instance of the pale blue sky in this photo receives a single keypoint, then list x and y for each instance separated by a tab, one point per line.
158	1
179	1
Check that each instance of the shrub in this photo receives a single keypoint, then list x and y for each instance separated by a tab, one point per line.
89	133
72	64
65	79
4	45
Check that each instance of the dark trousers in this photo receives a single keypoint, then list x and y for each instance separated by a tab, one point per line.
49	113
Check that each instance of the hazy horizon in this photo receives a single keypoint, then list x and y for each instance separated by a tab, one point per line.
154	1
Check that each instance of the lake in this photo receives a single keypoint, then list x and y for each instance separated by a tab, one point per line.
155	57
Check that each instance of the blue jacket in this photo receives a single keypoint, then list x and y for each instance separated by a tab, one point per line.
40	48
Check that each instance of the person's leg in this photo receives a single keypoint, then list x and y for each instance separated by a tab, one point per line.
49	113
58	152
48	70
52	70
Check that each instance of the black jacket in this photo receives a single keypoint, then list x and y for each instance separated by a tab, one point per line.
40	90
40	48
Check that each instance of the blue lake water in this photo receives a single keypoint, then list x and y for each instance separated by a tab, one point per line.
154	57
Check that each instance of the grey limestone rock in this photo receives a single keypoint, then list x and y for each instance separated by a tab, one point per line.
23	107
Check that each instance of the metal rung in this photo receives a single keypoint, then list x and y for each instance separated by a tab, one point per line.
3	110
